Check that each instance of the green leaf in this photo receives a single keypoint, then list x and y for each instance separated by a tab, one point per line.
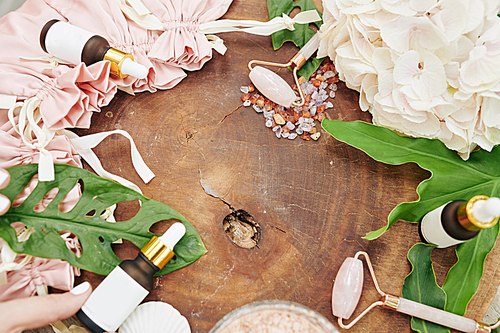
461	282
421	286
463	278
302	33
451	177
94	233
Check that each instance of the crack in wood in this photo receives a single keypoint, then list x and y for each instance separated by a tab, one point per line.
227	115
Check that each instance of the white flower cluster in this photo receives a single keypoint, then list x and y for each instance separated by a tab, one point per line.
424	68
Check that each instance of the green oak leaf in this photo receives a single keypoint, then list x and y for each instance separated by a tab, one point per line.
451	177
94	233
302	33
421	286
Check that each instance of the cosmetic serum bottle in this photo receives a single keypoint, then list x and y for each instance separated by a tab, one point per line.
459	220
128	284
75	45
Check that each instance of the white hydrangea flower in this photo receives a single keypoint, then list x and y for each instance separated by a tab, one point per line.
424	68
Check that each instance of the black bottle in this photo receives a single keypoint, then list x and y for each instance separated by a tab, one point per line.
128	284
75	45
459	220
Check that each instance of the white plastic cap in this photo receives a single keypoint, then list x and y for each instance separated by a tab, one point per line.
486	210
173	235
130	67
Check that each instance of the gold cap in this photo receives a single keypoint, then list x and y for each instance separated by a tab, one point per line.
467	218
116	57
157	252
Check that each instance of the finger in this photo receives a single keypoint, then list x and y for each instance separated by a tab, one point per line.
4	204
33	312
4	178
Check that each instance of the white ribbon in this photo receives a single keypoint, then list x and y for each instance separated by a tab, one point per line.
52	62
7	101
260	28
84	145
140	14
30	130
217	44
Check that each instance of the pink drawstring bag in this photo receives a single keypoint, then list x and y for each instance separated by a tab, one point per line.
178	44
16	152
26	275
181	42
67	95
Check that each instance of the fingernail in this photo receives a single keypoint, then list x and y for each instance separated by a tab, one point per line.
4	203
4	175
80	289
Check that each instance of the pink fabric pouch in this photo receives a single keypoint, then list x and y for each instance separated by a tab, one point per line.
181	42
39	273
68	95
178	45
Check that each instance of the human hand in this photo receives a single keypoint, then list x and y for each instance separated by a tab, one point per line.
31	312
27	313
4	181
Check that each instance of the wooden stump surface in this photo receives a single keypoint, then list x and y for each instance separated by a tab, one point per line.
313	200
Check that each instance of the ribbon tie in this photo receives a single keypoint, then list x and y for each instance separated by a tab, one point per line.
29	130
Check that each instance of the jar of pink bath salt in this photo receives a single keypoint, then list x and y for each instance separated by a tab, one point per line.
274	317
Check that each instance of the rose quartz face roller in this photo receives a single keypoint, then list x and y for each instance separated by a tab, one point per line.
272	85
347	292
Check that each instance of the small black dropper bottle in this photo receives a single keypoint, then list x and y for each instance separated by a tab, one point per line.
128	284
75	45
459	220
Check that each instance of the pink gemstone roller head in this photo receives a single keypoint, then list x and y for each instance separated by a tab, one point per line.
273	86
347	292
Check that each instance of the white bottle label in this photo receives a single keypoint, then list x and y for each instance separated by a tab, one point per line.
65	41
433	230
114	300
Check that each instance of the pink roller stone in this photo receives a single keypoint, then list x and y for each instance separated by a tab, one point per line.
272	86
347	288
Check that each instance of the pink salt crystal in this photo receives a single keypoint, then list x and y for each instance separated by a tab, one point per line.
272	86
347	288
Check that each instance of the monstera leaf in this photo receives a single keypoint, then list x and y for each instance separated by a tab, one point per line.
451	177
302	33
84	220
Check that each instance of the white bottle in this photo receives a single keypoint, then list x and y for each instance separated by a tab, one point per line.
459	220
128	284
75	45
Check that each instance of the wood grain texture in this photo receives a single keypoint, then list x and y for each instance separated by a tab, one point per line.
313	200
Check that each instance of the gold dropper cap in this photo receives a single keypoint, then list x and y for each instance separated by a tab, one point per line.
117	57
157	252
467	219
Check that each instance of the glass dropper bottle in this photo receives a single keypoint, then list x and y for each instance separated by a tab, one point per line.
128	284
